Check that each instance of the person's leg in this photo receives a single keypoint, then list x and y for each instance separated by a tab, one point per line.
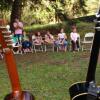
65	45
17	39
77	44
29	46
20	38
73	45
56	43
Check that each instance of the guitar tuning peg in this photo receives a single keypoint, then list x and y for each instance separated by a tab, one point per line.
6	32
9	44
96	21
8	40
8	28
92	83
98	28
98	13
7	36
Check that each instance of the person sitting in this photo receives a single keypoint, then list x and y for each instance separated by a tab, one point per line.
38	39
26	46
37	42
49	38
62	40
49	41
74	39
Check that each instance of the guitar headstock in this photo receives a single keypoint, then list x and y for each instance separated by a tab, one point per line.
93	89
5	38
98	13
97	20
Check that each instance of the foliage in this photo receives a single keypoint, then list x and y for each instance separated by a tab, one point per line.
51	11
47	11
44	11
83	27
5	4
53	28
79	7
5	7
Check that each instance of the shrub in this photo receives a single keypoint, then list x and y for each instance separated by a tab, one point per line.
82	27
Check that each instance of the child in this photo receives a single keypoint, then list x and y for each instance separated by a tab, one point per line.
74	39
38	39
26	45
49	38
62	40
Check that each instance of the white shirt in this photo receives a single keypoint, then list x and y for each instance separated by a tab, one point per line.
74	36
61	35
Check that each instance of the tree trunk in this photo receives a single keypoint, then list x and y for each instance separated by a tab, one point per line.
16	12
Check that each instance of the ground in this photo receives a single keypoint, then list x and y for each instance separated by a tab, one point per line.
49	75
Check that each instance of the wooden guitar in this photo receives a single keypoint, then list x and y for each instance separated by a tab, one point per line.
88	90
17	93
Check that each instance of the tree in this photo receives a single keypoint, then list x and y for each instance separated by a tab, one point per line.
5	5
16	12
79	8
43	11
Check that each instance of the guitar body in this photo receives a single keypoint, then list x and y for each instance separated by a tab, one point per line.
25	96
79	91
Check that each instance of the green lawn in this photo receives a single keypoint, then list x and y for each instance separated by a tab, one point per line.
48	75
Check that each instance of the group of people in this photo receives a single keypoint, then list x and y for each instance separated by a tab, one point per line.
61	40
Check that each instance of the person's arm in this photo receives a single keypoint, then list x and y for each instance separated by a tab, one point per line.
45	38
71	36
52	37
20	25
15	25
41	39
65	37
58	37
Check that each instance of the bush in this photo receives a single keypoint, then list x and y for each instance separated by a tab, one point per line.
53	28
82	27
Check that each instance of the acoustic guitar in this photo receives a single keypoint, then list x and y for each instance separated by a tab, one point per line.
17	93
88	90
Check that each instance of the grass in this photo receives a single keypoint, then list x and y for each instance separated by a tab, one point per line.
47	76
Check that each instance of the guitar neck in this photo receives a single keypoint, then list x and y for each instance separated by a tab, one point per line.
94	54
11	66
12	71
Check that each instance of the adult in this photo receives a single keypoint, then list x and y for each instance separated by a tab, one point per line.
18	30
